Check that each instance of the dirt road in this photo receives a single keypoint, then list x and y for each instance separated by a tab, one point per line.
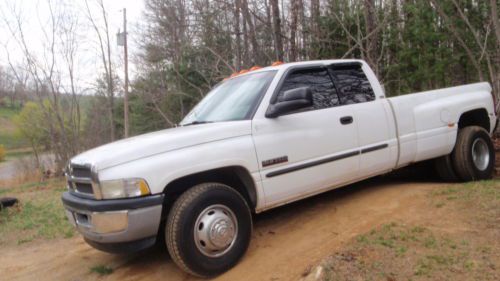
286	241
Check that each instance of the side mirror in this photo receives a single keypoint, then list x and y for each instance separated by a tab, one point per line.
291	100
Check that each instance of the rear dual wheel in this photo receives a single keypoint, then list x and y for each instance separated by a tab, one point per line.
208	229
473	157
444	168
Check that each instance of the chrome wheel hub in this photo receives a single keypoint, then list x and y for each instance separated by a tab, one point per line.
480	154
215	230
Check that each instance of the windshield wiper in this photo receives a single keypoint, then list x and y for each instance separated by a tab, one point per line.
197	123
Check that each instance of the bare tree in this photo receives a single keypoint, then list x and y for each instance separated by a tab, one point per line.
237	33
251	31
496	26
102	33
293	30
278	40
46	73
371	28
6	86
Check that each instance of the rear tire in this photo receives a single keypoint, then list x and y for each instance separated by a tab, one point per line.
474	155
208	229
444	168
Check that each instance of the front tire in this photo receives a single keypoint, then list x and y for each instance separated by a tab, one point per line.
474	155
208	229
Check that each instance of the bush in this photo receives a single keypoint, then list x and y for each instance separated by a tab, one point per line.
2	153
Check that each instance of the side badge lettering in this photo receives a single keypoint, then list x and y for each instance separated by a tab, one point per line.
274	161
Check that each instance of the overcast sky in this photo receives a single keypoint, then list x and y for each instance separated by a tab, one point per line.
35	13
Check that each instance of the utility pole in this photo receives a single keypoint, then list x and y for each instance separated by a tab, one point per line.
125	95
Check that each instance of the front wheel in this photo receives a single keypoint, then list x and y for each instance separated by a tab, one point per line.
208	229
474	155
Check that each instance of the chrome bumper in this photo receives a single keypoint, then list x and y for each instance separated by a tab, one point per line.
114	221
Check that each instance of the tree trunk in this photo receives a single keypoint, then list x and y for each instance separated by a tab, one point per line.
238	34
252	35
278	40
372	41
293	30
246	52
111	90
496	23
304	32
315	30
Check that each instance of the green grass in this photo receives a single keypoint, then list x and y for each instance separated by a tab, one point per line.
482	195
39	214
8	112
400	251
17	153
481	190
8	135
101	269
12	140
420	252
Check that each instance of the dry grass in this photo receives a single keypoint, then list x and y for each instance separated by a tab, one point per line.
22	178
26	170
2	153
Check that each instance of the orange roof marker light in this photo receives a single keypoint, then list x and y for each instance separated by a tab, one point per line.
276	63
255	68
243	71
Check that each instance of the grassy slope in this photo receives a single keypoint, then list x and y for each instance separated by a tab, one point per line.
17	146
398	251
40	214
8	137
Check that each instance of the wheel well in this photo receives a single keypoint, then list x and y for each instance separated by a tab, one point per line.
234	176
476	117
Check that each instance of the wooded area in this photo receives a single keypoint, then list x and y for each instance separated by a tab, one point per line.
188	46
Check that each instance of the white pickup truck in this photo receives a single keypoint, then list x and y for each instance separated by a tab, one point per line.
263	139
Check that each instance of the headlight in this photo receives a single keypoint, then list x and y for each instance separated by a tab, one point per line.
123	188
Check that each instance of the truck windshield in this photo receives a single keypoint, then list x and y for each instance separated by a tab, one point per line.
235	99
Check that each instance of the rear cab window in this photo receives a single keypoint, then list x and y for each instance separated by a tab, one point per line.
351	83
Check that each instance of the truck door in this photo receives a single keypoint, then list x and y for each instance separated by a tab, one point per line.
310	150
374	118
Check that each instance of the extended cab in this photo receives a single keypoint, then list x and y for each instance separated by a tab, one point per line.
263	139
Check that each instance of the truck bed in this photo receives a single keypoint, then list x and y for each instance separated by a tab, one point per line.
427	122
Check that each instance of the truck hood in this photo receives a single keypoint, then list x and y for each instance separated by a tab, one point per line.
142	146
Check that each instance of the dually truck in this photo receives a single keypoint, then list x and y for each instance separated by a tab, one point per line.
263	139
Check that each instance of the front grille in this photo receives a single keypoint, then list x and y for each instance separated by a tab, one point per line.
81	172
80	180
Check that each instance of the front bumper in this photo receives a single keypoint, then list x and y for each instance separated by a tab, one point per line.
116	225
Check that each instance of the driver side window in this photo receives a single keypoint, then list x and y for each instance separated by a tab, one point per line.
318	80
